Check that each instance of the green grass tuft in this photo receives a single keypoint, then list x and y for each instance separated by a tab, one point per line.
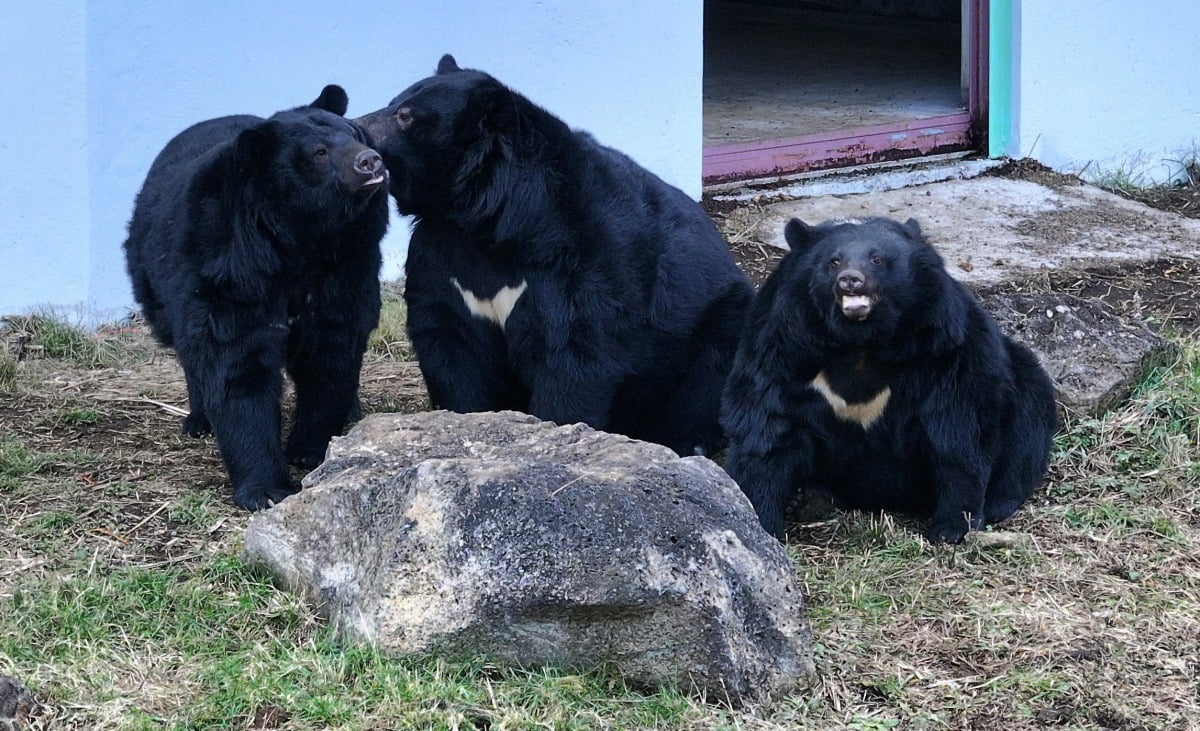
224	648
390	338
10	372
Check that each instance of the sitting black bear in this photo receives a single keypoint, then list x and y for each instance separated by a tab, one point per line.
868	373
549	274
253	247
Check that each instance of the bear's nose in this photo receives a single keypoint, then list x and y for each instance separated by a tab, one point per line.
850	281
368	162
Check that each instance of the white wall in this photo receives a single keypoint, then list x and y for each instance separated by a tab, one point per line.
1108	87
43	157
92	91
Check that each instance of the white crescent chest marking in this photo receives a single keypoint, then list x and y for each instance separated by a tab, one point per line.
498	308
863	413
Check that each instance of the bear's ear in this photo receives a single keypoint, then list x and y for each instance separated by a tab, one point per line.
447	65
799	234
333	99
913	228
252	149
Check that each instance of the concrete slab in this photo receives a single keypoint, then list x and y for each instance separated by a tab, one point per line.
991	230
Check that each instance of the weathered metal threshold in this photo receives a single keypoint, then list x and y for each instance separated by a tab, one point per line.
899	141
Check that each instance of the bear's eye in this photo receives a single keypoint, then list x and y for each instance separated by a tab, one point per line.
877	260
404	117
321	152
835	262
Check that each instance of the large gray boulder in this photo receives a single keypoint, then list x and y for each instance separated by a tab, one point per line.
501	536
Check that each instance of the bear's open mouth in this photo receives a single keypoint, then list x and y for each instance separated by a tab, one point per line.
374	183
856	306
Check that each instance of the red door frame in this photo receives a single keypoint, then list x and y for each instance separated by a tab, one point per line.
897	141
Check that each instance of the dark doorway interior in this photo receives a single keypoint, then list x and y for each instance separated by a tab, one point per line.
792	85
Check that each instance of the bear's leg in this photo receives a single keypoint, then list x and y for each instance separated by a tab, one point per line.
195	424
770	478
958	506
688	421
770	454
326	375
463	360
1011	486
568	387
1021	463
240	382
466	372
326	343
950	454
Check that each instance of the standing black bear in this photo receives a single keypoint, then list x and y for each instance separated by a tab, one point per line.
254	246
868	373
552	275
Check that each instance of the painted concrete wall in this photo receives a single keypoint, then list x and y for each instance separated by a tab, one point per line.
44	214
1107	88
94	90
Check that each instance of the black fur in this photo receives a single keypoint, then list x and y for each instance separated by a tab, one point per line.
254	247
630	304
964	435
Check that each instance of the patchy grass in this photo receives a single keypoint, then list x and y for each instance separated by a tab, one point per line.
211	646
47	334
1181	196
10	373
390	338
123	604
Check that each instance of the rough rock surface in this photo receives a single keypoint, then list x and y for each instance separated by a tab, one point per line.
1094	357
16	704
501	536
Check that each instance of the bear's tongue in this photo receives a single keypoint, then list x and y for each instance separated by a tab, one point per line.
856	306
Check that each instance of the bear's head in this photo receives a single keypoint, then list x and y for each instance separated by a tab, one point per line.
313	165
866	279
438	135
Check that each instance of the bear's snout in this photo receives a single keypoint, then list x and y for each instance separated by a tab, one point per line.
853	294
377	125
850	281
368	162
369	171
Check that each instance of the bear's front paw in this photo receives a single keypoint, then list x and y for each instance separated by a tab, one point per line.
771	519
304	458
257	497
195	424
947	532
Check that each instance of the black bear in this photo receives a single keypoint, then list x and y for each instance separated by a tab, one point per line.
868	374
549	274
254	247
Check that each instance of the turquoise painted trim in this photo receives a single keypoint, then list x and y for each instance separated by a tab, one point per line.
1000	71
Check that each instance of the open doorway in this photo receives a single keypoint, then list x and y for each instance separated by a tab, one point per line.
794	85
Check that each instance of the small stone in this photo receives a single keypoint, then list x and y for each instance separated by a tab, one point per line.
16	704
997	539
